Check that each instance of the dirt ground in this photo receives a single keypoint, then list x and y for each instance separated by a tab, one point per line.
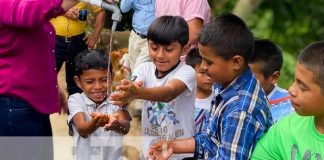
63	142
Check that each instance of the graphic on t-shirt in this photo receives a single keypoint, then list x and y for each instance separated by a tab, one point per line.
159	111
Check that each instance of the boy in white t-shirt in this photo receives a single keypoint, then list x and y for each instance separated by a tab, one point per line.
168	86
204	94
98	125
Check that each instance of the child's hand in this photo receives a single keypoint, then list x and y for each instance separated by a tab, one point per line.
113	122
127	91
99	119
161	150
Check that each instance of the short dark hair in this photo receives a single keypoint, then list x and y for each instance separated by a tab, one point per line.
269	54
168	29
193	58
91	59
312	57
227	36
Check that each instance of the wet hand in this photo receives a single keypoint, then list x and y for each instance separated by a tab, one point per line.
161	150
99	119
126	92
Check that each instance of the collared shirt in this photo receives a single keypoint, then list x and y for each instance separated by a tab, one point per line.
239	116
144	13
101	144
69	27
27	58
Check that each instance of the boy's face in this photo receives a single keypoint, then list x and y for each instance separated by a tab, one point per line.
306	97
93	83
219	69
165	56
266	83
204	81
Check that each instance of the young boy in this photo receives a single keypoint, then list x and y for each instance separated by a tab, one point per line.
266	64
169	87
204	94
97	124
240	112
301	135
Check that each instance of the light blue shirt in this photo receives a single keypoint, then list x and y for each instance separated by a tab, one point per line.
144	13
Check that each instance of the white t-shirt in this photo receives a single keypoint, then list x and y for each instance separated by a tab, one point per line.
172	120
100	145
202	110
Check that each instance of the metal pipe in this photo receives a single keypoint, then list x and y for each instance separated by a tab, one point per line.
116	16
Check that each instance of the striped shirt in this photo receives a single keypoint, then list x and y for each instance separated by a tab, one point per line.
239	116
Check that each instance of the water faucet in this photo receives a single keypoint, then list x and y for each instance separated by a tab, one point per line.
116	16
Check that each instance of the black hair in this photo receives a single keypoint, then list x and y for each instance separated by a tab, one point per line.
312	57
270	56
168	29
193	58
227	36
91	59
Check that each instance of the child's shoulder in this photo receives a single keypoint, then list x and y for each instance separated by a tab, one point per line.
76	97
293	123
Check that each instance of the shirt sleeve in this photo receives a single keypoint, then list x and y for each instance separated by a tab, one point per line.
126	5
238	132
187	75
95	9
197	9
28	13
237	135
75	106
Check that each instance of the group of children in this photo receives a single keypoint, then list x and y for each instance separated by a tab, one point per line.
210	107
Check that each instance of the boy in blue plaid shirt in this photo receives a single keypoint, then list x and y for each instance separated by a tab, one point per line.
239	111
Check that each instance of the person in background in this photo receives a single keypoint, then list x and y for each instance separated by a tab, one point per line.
195	12
204	93
71	38
144	15
266	64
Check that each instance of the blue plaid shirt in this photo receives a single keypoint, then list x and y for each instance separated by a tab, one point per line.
239	116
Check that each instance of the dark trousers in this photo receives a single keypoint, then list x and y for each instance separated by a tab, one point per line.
66	49
24	132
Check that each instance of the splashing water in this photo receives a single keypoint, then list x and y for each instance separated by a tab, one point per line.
110	78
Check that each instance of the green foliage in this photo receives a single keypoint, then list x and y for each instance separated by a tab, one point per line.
291	24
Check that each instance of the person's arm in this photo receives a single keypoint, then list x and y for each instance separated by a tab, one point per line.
92	39
195	26
85	128
239	131
119	122
126	5
131	90
165	149
68	4
28	13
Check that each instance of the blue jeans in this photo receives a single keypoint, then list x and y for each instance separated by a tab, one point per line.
24	132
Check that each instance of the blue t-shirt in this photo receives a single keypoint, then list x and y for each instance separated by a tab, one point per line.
202	112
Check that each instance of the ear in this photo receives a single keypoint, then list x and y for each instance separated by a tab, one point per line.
237	62
274	77
77	81
186	49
